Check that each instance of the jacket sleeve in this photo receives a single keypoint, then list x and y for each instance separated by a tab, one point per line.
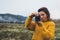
48	33
29	23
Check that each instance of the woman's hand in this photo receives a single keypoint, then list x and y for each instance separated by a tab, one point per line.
34	14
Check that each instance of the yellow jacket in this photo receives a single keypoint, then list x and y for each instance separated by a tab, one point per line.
41	32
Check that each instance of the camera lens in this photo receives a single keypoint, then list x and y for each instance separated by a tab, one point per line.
37	18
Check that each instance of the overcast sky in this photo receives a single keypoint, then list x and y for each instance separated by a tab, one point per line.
26	7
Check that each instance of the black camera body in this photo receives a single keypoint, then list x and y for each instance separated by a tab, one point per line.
37	19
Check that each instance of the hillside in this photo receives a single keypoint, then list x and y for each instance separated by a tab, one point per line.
11	18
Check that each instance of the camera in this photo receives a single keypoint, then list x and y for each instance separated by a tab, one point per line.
37	19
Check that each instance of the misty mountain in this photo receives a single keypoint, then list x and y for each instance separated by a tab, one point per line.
11	18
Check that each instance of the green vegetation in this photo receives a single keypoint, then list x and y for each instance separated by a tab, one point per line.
14	31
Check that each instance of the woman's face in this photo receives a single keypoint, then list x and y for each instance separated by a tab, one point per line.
43	16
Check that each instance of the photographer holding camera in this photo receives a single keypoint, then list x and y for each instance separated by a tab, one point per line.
43	26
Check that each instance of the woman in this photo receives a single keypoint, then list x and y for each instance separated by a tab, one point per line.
44	30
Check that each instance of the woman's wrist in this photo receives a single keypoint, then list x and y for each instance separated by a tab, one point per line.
31	16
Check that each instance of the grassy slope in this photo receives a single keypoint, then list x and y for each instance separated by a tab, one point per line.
19	32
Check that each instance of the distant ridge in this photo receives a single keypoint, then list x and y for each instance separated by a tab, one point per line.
11	18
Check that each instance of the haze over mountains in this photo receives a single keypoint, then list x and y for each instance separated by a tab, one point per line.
11	18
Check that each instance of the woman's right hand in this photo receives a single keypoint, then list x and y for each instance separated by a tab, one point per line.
34	14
